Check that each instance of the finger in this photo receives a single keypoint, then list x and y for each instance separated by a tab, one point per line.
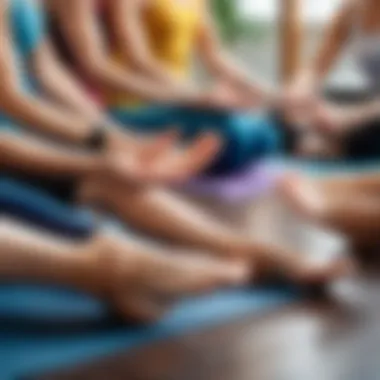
160	145
133	171
176	169
200	154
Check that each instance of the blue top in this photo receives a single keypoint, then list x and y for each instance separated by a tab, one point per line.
27	26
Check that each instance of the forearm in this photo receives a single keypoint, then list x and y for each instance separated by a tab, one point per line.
46	117
361	114
62	87
39	158
228	70
26	255
65	89
337	34
150	68
75	128
309	77
113	76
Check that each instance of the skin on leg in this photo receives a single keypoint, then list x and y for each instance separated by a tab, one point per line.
137	279
368	183
358	217
331	203
162	214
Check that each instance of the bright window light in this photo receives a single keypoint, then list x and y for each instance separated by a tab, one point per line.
313	10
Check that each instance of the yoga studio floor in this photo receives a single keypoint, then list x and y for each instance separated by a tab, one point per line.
250	334
310	340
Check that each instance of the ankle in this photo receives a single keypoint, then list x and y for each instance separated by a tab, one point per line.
112	265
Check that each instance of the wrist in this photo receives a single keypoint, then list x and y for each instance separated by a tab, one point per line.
97	139
121	141
308	79
192	97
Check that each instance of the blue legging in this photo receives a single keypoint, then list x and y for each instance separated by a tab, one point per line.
28	204
246	137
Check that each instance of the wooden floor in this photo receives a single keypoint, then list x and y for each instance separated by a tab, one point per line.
334	338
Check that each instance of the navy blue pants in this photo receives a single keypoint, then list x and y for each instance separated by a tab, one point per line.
29	204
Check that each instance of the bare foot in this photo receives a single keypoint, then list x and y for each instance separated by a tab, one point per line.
306	270
142	283
301	268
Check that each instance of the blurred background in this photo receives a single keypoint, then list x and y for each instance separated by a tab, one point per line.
251	29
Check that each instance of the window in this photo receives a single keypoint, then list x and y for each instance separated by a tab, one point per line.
259	45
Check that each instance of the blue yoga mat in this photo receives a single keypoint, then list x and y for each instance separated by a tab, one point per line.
44	329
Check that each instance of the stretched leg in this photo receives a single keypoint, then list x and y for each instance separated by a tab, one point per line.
344	204
367	183
164	215
134	277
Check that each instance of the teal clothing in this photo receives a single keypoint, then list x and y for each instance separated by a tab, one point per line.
27	33
20	199
246	137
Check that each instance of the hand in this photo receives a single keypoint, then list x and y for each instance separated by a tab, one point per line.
330	119
296	99
225	97
161	160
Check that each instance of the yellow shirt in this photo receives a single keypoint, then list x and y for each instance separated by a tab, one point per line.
171	28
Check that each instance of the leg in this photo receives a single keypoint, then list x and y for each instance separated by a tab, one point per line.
368	183
311	195
134	277
351	205
164	215
359	217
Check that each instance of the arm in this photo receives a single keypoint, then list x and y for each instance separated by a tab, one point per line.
27	255
23	107
126	19
58	82
80	27
222	65
40	158
345	118
332	43
46	116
